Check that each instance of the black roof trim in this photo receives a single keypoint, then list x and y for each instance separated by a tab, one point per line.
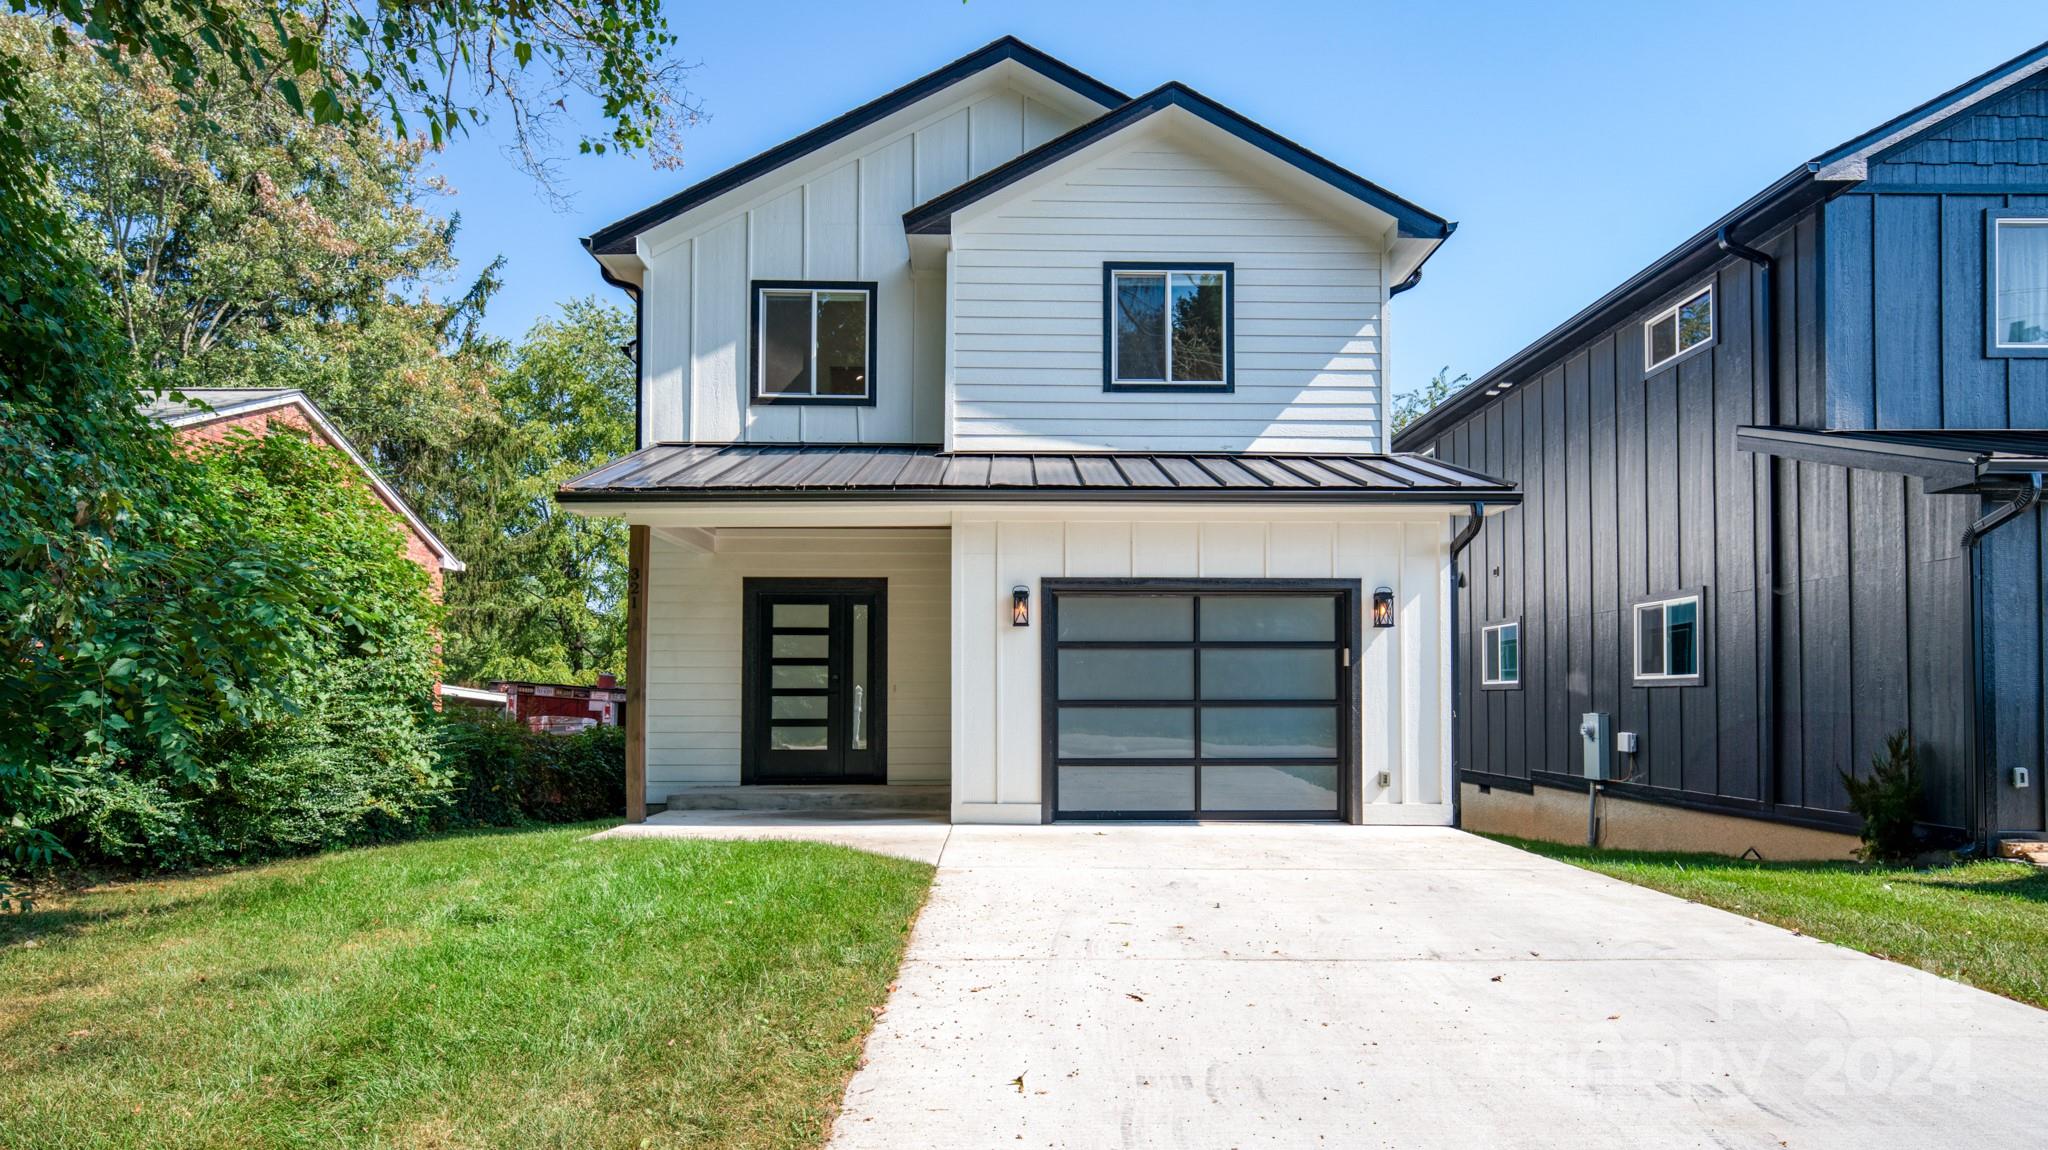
730	472
616	238
1761	214
935	216
1949	460
1961	92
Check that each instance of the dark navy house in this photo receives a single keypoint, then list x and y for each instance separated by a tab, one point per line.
1781	499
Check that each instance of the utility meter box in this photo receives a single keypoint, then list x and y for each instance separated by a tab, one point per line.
1596	738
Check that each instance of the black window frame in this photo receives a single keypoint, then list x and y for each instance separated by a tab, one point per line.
1110	268
1700	598
1348	594
1521	655
757	294
1993	217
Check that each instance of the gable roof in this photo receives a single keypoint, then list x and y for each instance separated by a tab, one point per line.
1833	171
617	238
935	216
196	406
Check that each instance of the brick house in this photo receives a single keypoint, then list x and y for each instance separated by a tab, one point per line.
205	415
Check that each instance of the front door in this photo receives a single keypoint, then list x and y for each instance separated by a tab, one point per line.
814	681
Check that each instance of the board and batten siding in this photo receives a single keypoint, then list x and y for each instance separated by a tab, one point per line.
695	634
1633	488
1027	304
1404	676
844	222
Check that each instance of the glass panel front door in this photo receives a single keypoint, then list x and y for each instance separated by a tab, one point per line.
1199	701
813	671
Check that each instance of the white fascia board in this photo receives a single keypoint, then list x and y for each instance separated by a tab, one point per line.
1856	165
944	513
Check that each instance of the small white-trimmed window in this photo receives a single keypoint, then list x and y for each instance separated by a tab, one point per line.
1166	327
814	342
2019	292
1501	665
1668	641
1678	329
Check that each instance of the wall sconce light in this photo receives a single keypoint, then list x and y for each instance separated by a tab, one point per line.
1020	606
1383	607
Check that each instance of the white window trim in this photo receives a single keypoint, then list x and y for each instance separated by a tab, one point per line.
1166	274
1671	313
1998	227
760	394
1699	644
1484	680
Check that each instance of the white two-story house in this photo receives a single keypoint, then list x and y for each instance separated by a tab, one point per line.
1017	436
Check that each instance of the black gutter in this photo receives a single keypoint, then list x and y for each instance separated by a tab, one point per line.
1785	197
1459	542
606	239
690	495
1414	279
639	348
1763	304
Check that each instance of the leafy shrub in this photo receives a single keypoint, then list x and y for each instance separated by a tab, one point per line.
1889	801
506	775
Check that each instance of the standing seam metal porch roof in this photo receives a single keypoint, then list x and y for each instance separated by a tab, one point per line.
735	471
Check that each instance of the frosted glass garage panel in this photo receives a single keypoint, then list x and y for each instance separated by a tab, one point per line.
1099	673
1269	732
1151	789
1269	618
1283	673
1304	787
1126	618
1126	732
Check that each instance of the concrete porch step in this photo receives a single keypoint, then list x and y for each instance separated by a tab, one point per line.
896	797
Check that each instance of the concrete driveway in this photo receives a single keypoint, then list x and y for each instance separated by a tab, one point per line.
1323	986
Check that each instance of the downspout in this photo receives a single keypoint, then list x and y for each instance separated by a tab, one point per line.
1767	618
1982	784
1459	542
639	348
1414	278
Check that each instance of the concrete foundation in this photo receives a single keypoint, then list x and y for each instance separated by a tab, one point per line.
1557	815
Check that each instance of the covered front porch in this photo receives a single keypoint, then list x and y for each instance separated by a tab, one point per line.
1043	639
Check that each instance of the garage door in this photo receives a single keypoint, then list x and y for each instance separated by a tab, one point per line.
1203	699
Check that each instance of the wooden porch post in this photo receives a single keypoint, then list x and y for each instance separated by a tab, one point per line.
638	546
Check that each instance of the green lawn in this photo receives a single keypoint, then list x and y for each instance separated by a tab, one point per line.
494	990
1984	923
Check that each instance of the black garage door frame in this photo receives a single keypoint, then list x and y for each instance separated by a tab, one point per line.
1349	595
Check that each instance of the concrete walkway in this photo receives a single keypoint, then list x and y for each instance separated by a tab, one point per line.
1324	986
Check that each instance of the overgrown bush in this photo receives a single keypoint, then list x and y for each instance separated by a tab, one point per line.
1889	801
344	754
506	775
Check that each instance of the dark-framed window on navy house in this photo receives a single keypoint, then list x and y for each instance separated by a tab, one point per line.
813	341
2016	299
1166	326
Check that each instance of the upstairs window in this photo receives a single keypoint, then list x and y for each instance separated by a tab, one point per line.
2019	294
1668	641
1166	327
1678	329
814	342
1503	662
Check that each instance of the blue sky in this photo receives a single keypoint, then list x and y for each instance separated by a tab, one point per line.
1574	142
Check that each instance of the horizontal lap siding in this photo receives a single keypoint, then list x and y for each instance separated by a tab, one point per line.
1028	327
694	644
845	223
1633	487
